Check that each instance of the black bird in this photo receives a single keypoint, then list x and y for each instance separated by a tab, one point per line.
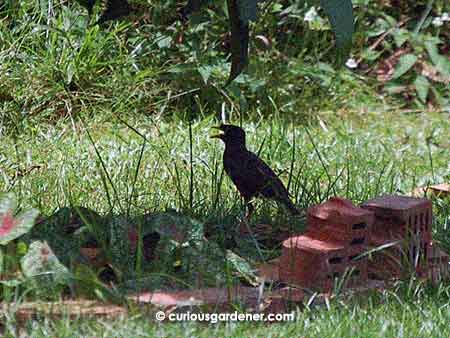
112	9
88	4
251	175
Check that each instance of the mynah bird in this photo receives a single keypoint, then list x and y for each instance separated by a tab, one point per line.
251	175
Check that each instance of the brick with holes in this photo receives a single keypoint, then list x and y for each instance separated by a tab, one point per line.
339	220
386	261
357	272
438	264
406	219
402	214
312	263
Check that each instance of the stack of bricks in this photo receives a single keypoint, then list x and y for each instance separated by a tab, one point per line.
336	237
339	236
403	226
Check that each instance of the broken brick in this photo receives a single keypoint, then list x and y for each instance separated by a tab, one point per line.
439	190
341	213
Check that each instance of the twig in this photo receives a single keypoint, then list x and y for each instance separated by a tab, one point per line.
383	36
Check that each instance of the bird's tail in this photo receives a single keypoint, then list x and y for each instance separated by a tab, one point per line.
291	207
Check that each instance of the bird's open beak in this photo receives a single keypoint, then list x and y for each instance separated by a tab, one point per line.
217	135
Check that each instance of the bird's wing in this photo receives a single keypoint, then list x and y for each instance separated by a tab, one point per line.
114	9
88	4
271	186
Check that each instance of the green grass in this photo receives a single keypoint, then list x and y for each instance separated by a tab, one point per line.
398	313
99	118
138	68
106	166
354	156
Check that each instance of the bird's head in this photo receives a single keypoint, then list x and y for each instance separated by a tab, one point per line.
230	135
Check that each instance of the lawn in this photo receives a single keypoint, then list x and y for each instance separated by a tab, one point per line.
106	129
396	314
357	156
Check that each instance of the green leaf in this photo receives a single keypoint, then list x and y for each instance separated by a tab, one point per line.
66	230
41	265
205	72
239	41
405	63
422	86
371	55
393	88
71	68
241	267
400	36
340	15
163	41
11	226
440	62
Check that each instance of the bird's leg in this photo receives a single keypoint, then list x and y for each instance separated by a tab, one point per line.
250	208
244	227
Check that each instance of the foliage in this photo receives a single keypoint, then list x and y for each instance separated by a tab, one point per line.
12	226
129	247
240	13
43	269
416	60
155	64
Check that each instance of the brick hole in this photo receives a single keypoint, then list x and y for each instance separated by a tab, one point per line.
410	222
422	222
416	218
372	275
335	260
358	240
358	226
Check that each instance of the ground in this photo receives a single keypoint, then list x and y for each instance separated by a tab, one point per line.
349	154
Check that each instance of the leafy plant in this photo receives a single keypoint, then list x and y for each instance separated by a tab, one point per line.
12	226
411	59
44	269
240	14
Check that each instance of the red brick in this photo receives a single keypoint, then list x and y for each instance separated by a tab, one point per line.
394	210
438	263
359	275
384	267
398	218
310	262
336	233
341	213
